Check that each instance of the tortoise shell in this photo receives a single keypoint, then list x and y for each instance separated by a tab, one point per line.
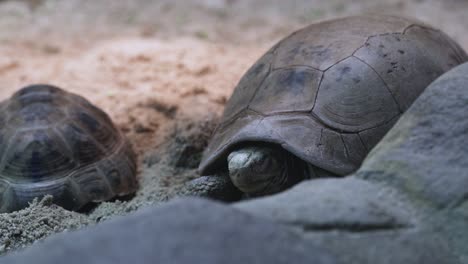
330	91
55	142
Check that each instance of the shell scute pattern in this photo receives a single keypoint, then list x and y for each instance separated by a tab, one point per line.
348	103
83	147
302	83
99	129
35	155
247	87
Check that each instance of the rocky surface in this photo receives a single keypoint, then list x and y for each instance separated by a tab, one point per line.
183	231
346	204
359	221
425	157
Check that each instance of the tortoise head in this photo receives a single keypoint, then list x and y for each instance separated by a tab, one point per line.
262	169
254	169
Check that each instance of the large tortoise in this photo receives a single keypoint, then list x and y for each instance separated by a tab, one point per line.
318	101
57	143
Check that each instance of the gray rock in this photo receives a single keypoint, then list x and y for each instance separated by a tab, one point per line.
359	221
346	204
406	246
426	154
425	157
183	231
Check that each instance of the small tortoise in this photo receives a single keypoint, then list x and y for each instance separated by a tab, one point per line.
318	101
57	143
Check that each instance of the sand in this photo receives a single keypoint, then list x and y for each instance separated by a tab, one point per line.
163	71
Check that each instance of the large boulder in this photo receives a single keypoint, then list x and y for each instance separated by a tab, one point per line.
359	221
426	154
183	231
347	204
425	157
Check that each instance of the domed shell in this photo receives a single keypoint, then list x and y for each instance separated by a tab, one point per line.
57	143
329	92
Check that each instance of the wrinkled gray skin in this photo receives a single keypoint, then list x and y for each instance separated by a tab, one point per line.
256	170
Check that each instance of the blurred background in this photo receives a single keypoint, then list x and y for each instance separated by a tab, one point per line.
148	62
234	21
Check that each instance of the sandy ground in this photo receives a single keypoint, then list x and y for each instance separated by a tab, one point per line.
162	70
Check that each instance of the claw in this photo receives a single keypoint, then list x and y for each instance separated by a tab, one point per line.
214	187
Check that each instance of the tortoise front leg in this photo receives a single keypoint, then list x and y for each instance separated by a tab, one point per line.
218	187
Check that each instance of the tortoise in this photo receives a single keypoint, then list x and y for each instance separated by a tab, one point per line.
316	103
57	143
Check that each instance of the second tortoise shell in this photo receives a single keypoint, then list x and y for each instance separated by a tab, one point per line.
57	143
